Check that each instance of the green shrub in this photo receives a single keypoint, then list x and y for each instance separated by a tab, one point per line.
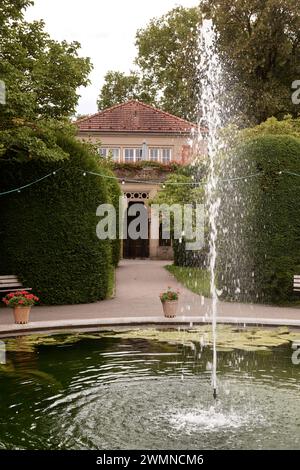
189	258
114	193
48	231
259	233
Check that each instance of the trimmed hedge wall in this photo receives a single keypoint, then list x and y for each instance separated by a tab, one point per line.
259	233
48	231
114	193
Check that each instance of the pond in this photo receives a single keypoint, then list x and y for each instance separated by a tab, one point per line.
109	391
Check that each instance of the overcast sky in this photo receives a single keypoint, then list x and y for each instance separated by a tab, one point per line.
106	30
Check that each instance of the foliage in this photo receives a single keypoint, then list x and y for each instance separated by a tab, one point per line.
169	295
167	57
259	245
20	299
228	338
140	165
114	193
34	141
42	77
287	126
48	231
258	42
119	87
167	74
179	189
195	279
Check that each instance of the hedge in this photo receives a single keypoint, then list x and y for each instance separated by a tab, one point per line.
48	231
189	258
259	224
114	193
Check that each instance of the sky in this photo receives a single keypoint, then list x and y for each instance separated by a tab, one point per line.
106	30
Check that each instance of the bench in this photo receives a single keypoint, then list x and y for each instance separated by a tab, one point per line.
11	284
296	283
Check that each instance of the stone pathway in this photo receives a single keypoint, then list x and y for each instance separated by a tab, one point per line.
138	284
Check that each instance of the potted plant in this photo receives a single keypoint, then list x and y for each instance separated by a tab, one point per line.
21	302
169	300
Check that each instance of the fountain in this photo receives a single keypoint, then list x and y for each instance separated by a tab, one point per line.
124	389
211	89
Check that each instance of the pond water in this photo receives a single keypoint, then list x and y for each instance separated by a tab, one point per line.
125	393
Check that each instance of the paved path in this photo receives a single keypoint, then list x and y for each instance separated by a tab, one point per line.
137	301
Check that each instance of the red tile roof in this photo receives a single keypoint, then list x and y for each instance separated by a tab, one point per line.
134	116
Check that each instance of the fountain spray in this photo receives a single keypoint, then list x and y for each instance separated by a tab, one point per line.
211	88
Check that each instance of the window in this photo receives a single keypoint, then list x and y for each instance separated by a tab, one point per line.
166	155
133	155
129	155
154	154
106	152
138	155
103	152
114	153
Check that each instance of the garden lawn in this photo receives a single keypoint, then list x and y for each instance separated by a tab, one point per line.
195	279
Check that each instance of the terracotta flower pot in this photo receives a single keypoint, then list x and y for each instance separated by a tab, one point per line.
170	308
21	314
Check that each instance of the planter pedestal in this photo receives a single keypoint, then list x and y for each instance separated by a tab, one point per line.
170	308
21	314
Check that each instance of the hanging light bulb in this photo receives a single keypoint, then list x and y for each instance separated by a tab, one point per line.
123	181
84	173
164	186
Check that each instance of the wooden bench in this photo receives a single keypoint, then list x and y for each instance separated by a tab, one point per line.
297	283
11	284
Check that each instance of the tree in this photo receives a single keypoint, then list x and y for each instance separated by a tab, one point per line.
119	87
168	59
42	77
167	74
179	190
258	43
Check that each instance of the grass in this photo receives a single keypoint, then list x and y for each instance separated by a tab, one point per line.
195	279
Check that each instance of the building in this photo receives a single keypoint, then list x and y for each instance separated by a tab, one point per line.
134	134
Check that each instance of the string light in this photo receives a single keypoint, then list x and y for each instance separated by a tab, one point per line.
18	190
163	185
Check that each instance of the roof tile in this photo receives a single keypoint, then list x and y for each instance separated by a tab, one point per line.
134	116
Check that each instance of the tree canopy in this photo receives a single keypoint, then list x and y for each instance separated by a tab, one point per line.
119	87
41	77
167	74
258	42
